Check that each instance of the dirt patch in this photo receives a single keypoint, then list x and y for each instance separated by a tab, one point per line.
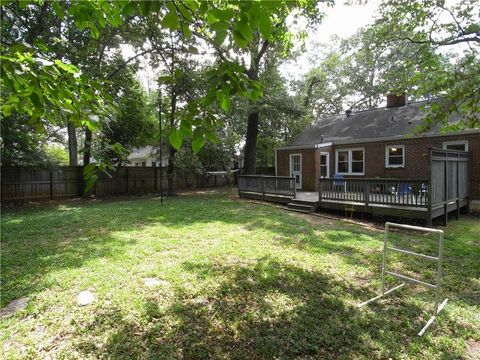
473	349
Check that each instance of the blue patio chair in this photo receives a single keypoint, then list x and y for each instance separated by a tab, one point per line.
404	189
339	181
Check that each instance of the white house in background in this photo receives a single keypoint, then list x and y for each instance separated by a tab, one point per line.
145	156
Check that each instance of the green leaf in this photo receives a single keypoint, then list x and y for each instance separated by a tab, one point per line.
170	21
176	139
239	39
220	37
244	29
225	14
58	10
72	69
220	25
211	137
185	129
197	143
223	100
265	25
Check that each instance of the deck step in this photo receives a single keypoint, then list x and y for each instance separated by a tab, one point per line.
300	211
302	206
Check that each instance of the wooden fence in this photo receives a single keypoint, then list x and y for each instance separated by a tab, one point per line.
449	179
24	184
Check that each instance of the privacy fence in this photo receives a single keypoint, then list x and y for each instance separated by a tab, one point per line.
26	184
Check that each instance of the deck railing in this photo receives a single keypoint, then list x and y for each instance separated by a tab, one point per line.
267	185
375	191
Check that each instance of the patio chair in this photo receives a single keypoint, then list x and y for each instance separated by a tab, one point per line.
404	189
339	182
423	192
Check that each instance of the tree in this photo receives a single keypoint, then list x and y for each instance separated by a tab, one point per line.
134	124
435	27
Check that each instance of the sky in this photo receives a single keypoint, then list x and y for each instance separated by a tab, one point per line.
342	20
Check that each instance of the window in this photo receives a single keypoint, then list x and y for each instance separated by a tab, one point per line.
456	145
324	164
394	156
144	163
153	164
350	161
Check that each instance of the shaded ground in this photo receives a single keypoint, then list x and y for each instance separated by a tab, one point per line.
238	280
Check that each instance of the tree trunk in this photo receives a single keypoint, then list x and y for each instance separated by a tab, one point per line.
87	150
172	186
72	145
250	156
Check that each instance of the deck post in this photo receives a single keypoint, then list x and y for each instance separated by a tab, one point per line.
429	189
457	195
294	188
445	205
320	190
365	193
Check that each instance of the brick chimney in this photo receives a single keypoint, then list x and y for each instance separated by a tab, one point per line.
394	100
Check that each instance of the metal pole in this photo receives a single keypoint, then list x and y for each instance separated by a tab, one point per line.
160	129
384	263
439	273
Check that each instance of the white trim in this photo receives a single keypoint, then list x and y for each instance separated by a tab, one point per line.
290	169
458	142
328	163
314	146
387	156
349	150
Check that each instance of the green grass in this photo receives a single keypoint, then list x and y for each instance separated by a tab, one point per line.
240	280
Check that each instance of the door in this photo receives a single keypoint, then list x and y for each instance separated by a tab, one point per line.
324	165
296	169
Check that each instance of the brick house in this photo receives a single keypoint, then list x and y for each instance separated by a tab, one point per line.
374	143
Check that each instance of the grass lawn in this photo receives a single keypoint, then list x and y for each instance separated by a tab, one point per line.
238	280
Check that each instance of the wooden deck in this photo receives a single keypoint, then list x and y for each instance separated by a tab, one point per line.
445	191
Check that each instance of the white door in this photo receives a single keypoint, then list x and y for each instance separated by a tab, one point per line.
324	164
296	169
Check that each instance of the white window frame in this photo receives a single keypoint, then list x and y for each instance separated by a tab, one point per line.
457	142
349	150
328	163
387	164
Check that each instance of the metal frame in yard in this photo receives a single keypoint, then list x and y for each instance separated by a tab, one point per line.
437	287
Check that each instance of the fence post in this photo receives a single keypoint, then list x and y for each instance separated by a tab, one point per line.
126	172
263	187
51	184
155	176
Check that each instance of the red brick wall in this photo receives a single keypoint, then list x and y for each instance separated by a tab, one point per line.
416	160
310	171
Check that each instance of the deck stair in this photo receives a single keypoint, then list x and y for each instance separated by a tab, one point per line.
303	206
